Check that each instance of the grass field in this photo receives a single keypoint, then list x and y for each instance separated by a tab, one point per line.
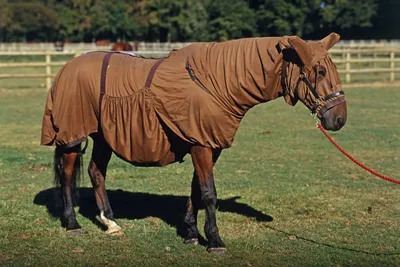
287	197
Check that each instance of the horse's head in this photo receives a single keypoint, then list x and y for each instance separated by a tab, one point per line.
309	75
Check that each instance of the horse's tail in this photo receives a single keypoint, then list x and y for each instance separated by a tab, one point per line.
59	170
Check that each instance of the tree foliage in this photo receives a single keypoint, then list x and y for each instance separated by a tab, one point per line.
281	17
165	20
347	16
230	19
194	20
30	21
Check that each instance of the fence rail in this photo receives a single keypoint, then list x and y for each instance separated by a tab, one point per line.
48	64
350	62
362	61
71	47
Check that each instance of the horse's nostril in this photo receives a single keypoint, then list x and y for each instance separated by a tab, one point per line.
340	122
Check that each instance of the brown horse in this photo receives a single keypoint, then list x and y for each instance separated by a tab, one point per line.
121	46
153	112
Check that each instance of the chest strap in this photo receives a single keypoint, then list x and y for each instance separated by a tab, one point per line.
152	72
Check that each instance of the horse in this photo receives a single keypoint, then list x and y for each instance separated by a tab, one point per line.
153	112
122	46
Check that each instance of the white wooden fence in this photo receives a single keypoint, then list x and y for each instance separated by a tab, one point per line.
72	47
349	62
48	64
357	61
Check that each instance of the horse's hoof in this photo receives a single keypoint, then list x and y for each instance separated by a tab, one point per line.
218	251
191	241
115	231
75	232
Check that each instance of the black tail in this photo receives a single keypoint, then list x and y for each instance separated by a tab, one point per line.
59	171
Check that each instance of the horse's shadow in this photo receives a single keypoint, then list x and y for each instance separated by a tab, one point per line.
136	205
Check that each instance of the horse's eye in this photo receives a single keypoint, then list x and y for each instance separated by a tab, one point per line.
321	73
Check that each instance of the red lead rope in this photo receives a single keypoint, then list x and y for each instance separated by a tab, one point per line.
354	160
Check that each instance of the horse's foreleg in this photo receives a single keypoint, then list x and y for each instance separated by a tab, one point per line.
192	211
203	161
101	155
66	167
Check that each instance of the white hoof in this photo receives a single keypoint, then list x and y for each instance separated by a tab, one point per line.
112	227
114	230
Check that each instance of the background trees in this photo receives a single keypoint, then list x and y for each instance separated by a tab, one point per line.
194	20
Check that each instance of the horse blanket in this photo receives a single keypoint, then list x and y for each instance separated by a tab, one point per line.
148	109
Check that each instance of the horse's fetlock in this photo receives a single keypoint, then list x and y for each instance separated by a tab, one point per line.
108	214
68	171
189	219
68	213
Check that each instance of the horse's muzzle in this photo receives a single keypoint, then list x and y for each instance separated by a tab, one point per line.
333	115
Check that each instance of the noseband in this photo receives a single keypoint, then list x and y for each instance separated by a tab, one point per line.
322	103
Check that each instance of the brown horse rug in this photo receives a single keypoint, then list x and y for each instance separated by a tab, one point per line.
148	109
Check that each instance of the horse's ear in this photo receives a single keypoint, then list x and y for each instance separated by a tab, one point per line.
302	48
330	40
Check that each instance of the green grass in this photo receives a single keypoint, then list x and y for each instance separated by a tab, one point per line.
325	210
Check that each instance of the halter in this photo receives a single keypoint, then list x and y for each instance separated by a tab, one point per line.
322	103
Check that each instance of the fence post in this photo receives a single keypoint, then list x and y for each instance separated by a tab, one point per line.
392	65
48	71
348	75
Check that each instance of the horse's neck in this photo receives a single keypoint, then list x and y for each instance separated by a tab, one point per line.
254	76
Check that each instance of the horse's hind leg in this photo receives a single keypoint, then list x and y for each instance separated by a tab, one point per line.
101	155
204	160
66	169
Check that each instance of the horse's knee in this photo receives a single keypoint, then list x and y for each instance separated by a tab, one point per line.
69	171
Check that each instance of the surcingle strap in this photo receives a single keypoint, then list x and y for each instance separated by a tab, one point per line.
103	76
152	72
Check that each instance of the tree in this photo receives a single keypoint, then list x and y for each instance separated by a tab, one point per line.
386	21
230	19
75	20
5	19
345	14
113	20
194	20
350	18
283	17
33	21
171	20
